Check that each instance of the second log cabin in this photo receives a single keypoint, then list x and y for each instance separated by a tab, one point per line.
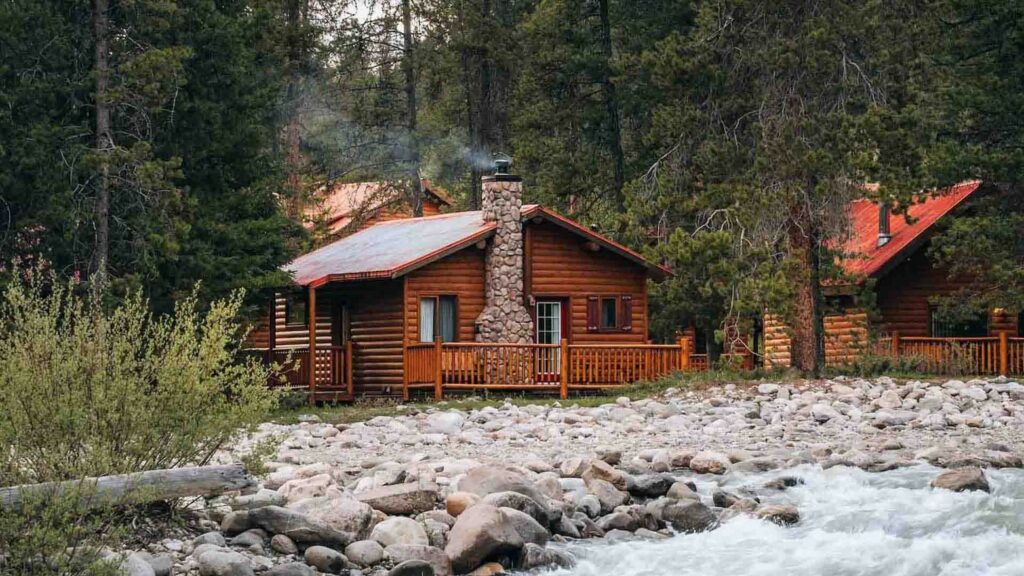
891	252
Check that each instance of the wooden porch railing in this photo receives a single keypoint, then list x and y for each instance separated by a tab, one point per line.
538	367
333	369
983	356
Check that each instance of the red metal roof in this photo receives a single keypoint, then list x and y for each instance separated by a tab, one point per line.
393	248
862	255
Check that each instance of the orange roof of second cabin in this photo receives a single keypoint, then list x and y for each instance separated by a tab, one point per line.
863	257
340	205
396	247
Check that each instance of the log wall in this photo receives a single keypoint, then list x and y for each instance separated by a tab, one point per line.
904	297
846	337
560	265
461	275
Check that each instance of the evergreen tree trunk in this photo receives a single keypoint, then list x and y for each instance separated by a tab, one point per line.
469	86
714	351
612	105
807	353
104	138
293	153
416	188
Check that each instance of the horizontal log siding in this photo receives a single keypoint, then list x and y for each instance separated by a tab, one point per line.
375	327
776	343
560	265
292	335
846	336
460	274
904	296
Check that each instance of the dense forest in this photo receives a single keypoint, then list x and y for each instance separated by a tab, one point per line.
168	143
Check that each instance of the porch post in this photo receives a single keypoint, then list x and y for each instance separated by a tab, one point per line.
312	345
563	372
895	344
1003	355
272	336
684	353
438	393
405	369
348	369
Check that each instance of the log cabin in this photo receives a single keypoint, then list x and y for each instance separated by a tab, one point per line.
344	208
890	252
509	297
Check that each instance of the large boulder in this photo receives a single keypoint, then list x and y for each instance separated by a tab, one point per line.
688	516
364	553
480	533
519	502
534	556
326	559
302	488
962	479
436	557
283	545
341	512
135	565
609	496
223	563
708	462
527	526
405	499
651	485
299	527
601	470
399	530
449	423
484	480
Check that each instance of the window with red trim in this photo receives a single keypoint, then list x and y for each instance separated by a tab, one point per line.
609	313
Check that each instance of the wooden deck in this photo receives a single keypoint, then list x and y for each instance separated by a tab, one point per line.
333	383
981	356
550	368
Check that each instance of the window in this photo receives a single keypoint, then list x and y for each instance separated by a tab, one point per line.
438	317
609	313
940	327
609	307
296	311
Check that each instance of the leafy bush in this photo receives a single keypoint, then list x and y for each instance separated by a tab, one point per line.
91	391
877	364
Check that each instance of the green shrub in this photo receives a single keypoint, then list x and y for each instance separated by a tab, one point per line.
88	390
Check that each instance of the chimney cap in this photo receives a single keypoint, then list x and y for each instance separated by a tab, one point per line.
502	164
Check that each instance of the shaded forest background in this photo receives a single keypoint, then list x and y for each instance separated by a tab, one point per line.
170	143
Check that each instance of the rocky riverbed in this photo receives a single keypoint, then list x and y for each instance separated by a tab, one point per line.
518	488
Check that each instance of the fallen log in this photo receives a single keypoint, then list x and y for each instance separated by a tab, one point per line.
137	488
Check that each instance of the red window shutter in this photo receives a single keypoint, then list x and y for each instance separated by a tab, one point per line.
593	314
626	313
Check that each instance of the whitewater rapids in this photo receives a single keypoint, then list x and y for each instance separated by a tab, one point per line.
853	523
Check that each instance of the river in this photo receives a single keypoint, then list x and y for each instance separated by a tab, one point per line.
853	523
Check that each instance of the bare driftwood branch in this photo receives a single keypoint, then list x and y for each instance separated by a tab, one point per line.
141	487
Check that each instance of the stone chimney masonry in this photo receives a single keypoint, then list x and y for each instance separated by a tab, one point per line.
504	317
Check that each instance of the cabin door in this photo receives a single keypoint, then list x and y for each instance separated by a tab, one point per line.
551	317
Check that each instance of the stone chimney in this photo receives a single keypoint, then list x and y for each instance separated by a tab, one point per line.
505	317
